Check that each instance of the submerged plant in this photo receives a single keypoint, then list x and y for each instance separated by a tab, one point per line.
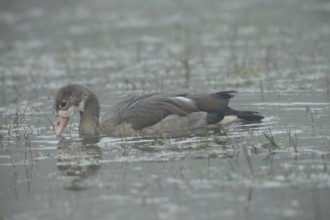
309	110
293	140
328	87
14	178
272	144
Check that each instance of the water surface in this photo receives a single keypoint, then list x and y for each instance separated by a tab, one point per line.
275	53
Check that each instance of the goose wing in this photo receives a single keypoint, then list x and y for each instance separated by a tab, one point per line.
147	110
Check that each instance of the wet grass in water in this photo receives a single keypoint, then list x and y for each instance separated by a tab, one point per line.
310	112
227	50
272	145
293	140
14	177
328	87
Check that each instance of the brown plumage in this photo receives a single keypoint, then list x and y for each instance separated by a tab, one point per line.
144	115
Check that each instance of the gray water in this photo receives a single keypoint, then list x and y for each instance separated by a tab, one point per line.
275	53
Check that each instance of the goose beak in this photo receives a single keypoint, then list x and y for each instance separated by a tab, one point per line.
60	124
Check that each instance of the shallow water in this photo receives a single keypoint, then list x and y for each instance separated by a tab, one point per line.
275	53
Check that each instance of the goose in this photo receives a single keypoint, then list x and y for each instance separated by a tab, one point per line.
146	114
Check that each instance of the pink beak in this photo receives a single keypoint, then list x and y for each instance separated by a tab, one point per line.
60	124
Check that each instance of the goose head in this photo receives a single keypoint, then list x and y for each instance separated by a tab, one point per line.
69	100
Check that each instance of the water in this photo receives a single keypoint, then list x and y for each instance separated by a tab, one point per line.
275	53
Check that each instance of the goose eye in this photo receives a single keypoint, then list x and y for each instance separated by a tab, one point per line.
63	104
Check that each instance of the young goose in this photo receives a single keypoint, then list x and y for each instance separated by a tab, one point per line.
144	115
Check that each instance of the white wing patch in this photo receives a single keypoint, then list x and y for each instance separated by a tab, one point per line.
184	99
228	119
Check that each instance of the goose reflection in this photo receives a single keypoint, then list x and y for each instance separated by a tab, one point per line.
77	162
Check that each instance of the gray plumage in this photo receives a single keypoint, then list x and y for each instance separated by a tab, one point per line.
145	114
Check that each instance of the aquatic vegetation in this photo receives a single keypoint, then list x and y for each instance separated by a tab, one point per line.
275	55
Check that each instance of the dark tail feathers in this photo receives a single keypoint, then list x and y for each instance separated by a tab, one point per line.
249	116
